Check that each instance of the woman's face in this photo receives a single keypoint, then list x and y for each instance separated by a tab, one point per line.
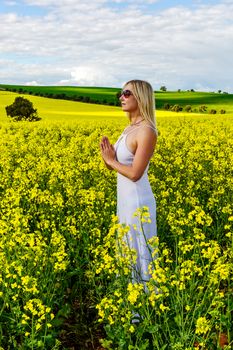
128	103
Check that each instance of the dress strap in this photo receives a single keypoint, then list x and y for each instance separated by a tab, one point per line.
153	128
139	127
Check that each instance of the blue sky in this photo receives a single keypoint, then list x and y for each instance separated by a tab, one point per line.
180	44
24	8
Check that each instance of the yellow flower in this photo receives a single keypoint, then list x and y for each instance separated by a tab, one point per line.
163	307
38	326
202	325
131	329
134	291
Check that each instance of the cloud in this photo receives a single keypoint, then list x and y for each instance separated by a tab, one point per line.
32	83
95	43
10	3
90	75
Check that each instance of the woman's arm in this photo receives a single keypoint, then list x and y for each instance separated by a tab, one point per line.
108	166
146	141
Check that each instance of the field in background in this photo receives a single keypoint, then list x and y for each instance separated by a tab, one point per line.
105	95
57	109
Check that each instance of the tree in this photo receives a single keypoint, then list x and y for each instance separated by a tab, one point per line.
177	108
213	111
163	88
202	108
22	109
188	108
166	106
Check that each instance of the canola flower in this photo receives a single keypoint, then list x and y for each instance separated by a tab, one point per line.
58	232
202	325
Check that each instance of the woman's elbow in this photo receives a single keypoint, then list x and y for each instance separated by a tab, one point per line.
136	177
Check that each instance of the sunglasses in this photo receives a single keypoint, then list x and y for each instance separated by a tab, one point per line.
126	93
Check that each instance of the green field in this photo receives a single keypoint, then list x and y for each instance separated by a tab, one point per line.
98	94
196	99
106	95
52	109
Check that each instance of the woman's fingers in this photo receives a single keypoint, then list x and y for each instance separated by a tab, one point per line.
105	143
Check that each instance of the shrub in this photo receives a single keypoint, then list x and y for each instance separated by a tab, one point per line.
177	108
202	108
166	106
86	99
118	95
222	111
188	108
22	109
213	111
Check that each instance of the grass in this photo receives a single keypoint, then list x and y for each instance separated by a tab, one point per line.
196	99
213	100
54	109
64	111
100	94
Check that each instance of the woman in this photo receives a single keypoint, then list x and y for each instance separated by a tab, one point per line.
130	157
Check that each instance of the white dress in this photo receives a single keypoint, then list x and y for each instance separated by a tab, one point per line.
131	196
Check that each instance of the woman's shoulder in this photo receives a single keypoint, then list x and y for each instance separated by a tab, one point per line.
146	135
148	128
145	128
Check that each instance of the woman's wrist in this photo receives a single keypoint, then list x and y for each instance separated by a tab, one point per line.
111	162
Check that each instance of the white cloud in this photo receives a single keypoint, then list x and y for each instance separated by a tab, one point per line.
32	83
93	43
90	75
10	3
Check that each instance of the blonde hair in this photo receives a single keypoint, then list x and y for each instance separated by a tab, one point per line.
144	94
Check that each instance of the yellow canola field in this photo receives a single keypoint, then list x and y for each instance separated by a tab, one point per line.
58	234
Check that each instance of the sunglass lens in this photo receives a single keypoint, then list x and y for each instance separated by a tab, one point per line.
126	93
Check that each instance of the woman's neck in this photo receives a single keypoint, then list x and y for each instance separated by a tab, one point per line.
135	118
